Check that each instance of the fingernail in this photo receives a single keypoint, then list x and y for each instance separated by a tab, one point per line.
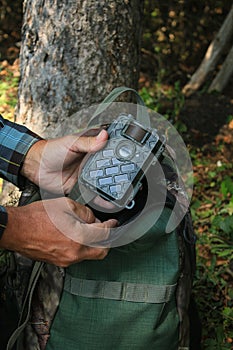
114	222
99	136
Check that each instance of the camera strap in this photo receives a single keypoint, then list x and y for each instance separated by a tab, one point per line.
142	113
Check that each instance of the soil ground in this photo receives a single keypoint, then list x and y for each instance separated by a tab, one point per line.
208	118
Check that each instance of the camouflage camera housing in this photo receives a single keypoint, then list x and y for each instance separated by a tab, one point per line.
115	172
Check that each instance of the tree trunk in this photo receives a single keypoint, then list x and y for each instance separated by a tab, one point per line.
222	78
212	56
73	53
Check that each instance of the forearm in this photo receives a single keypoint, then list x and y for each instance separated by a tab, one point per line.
25	233
9	239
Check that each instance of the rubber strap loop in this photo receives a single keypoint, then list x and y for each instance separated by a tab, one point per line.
142	114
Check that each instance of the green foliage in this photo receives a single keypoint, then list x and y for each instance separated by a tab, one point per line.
213	218
7	97
169	102
149	99
227	186
212	212
8	89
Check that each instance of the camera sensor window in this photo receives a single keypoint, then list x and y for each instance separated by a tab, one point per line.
136	133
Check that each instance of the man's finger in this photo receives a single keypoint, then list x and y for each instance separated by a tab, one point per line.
107	224
93	234
84	213
92	253
90	144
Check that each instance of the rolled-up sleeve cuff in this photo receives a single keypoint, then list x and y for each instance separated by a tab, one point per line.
3	220
15	141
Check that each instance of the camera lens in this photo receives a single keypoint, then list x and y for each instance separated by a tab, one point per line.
125	150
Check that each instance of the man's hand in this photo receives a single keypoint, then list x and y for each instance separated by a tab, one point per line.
32	233
54	164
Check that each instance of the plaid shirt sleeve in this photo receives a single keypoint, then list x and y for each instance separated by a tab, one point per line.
15	141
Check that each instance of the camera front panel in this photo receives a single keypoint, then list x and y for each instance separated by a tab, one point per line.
115	172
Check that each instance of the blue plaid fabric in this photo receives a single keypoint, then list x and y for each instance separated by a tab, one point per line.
15	141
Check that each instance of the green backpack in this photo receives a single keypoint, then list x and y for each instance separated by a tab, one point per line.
138	297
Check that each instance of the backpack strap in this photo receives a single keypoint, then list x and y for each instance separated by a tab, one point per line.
25	315
30	194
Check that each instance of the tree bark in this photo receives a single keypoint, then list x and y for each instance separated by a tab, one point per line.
212	56
222	78
73	53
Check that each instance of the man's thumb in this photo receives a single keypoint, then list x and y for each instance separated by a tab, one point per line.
92	144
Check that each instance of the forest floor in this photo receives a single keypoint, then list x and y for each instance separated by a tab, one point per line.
208	133
209	122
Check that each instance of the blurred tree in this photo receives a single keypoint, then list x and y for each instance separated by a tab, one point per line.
10	26
72	54
215	50
176	36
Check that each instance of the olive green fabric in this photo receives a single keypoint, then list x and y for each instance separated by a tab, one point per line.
87	320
